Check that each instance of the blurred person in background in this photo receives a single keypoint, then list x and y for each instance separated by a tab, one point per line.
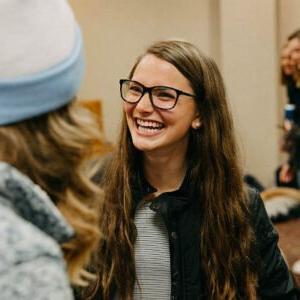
290	77
289	173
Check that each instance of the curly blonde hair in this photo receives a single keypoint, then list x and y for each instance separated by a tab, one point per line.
53	150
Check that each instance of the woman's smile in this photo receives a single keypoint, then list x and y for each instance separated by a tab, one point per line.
148	127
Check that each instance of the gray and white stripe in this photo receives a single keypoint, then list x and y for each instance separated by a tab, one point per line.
152	256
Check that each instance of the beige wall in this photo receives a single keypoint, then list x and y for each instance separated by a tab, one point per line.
249	65
289	18
242	36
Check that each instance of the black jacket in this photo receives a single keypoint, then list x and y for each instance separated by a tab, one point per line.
293	93
182	218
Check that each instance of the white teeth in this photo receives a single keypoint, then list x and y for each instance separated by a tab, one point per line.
152	125
147	129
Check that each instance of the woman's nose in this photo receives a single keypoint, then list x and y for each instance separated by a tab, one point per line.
145	103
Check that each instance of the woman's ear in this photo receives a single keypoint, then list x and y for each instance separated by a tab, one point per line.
196	124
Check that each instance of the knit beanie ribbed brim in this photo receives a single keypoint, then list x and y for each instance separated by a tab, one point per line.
41	59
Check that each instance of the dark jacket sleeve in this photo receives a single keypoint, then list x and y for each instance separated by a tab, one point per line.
275	280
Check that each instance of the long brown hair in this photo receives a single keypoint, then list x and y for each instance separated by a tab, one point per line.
51	149
227	239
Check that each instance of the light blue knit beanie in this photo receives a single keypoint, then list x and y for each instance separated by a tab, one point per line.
41	59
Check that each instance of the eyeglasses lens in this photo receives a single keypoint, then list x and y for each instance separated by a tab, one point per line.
162	97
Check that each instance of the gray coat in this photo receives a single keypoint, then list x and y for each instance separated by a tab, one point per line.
31	229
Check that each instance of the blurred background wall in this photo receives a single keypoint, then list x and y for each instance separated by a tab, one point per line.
244	38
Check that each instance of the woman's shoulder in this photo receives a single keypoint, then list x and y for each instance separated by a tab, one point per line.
31	227
253	196
31	204
255	202
31	264
30	224
22	241
262	225
274	277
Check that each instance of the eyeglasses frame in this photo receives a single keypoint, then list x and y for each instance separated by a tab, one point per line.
149	91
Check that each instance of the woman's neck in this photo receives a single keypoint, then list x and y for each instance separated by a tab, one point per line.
165	172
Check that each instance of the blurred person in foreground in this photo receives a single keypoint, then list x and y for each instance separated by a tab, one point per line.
48	205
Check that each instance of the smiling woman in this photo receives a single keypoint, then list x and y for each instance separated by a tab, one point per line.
177	221
160	121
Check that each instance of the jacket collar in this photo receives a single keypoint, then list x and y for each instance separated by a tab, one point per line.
171	201
31	203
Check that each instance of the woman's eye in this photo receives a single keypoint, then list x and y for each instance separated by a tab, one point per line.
135	89
165	95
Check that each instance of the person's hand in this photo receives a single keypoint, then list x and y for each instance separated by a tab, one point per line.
290	59
287	126
286	173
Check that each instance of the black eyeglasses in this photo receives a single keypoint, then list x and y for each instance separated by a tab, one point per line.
161	97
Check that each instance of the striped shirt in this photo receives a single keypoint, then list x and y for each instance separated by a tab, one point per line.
152	256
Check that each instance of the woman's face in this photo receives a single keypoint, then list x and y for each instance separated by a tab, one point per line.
290	57
158	130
